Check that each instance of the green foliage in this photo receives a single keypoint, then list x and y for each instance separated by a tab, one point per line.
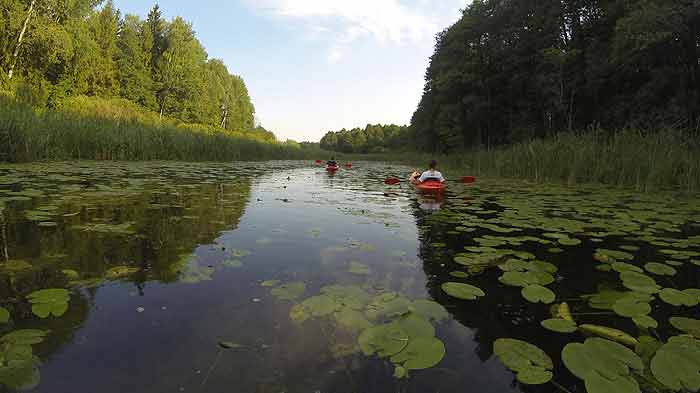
375	138
603	365
532	365
512	71
117	129
85	48
47	302
677	364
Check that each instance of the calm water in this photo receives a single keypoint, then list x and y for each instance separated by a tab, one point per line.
164	262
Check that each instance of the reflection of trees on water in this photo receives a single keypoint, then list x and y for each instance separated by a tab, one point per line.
164	226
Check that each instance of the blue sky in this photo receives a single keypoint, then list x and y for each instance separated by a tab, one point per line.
313	66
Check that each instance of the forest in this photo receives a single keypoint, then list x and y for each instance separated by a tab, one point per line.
509	71
374	138
83	59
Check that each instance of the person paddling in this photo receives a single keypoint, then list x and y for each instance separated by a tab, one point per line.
332	163
431	174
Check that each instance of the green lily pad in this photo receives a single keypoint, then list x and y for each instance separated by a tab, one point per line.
24	337
458	274
677	364
119	272
71	274
603	365
351	320
626	267
687	325
299	314
420	353
4	315
645	322
630	307
290	291
538	294
384	340
49	302
359	268
559	325
320	306
462	291
639	282
569	242
660	269
270	283
232	263
387	305
430	310
675	297
415	326
522	357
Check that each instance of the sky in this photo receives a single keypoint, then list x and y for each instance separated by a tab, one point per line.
313	66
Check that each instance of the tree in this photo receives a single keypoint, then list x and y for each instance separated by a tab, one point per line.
133	61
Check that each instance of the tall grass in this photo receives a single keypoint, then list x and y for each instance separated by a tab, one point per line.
630	158
97	129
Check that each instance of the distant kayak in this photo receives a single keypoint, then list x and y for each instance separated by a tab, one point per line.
430	186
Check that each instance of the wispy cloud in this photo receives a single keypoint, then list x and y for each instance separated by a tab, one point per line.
345	21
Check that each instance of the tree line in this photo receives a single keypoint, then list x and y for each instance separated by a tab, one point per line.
374	138
512	70
54	50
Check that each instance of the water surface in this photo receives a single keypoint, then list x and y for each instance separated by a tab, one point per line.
165	262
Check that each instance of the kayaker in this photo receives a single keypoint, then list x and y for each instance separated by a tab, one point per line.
431	174
332	162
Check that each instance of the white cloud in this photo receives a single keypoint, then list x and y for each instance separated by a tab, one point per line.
343	22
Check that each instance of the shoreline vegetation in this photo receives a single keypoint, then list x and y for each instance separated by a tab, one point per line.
91	128
629	158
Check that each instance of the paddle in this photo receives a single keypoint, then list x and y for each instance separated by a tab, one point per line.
466	179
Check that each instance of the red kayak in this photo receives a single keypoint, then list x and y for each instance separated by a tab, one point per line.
331	168
430	186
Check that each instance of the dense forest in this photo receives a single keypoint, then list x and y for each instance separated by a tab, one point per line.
54	51
508	71
375	138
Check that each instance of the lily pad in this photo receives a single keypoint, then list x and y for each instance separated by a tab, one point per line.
610	334
639	282
631	307
645	322
462	291
270	283
359	268
559	325
677	364
49	302
660	269
290	291
119	272
420	353
458	274
525	358
687	325
675	297
384	340
603	365
430	310
538	294
4	315
415	326
626	267
352	320
232	263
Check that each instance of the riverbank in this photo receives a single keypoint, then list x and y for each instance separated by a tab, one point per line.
666	159
115	129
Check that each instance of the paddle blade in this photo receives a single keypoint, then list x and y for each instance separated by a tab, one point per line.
468	179
392	181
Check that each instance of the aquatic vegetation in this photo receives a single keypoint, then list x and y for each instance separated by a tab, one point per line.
674	297
660	269
47	302
532	365
232	263
603	365
462	291
677	364
119	272
18	365
289	291
359	268
686	325
538	294
559	325
4	315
